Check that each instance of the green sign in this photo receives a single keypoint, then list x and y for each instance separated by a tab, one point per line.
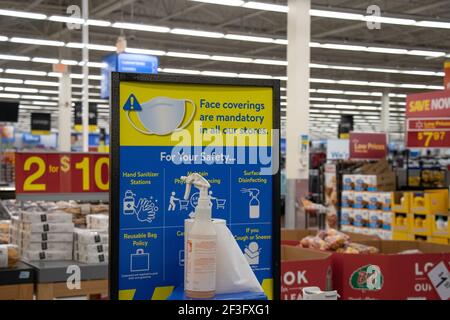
367	278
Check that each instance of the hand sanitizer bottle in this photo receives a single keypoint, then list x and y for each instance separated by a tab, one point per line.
201	252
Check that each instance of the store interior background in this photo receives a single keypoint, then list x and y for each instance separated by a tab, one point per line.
342	64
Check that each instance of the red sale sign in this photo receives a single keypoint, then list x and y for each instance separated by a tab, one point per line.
57	173
368	146
428	120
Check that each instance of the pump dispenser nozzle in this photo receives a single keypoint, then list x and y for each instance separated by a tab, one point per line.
203	208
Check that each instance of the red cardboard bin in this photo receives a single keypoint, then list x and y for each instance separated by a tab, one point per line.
389	275
303	268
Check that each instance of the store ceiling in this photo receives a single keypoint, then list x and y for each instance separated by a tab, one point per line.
345	79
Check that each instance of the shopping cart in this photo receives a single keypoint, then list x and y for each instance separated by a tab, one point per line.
220	203
184	204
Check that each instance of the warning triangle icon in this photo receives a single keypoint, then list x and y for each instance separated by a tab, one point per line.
132	104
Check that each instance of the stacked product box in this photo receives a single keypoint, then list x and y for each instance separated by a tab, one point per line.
422	215
91	246
97	221
43	236
364	209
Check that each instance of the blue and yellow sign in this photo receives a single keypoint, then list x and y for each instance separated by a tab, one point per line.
165	128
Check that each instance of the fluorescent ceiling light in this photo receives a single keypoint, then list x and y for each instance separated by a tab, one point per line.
353	82
265	6
8	80
66	19
330	91
3	38
181	71
22	14
336	15
388	20
9	95
69	62
95	77
49	91
343	47
248	38
45	60
98	23
77	45
45	103
281	41
30	107
16	89
197	33
271	62
140	27
387	50
37	97
96	64
145	51
433	24
436	87
41	83
187	55
254	76
426	53
233	3
56	74
232	59
27	72
13	57
219	74
39	42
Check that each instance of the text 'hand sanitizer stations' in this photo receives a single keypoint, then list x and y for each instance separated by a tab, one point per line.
201	254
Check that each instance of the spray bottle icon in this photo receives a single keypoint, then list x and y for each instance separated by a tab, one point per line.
254	202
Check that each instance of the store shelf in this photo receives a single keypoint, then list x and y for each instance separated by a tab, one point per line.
56	271
93	196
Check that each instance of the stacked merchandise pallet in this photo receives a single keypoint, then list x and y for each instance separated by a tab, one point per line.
421	215
7	170
91	244
365	210
43	236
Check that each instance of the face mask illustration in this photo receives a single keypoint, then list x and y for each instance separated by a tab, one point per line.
162	116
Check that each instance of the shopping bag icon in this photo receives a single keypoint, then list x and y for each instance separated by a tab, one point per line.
140	261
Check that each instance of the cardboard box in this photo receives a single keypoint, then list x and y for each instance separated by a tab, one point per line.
294	236
55	255
438	240
402	222
375	200
361	218
386	200
346	216
46	237
97	221
389	275
91	259
422	224
440	226
402	236
42	217
303	268
87	236
430	202
91	249
386	222
47	227
349	182
47	246
361	200
347	199
401	202
375	219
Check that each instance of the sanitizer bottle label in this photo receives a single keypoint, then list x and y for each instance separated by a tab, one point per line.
201	265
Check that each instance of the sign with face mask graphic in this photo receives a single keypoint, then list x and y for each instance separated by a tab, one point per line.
161	116
166	127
